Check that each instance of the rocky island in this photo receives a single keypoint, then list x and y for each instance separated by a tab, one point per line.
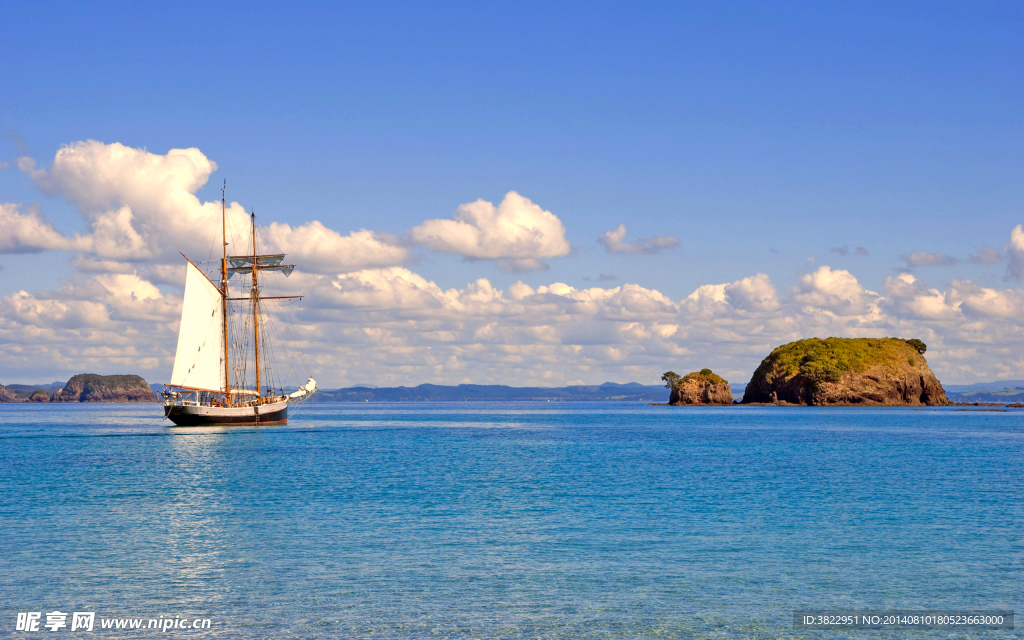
697	387
846	371
89	387
85	387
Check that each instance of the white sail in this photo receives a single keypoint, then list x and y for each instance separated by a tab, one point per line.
199	361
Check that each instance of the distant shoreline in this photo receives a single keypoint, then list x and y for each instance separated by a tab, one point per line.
998	393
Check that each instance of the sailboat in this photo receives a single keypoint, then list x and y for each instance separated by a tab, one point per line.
209	381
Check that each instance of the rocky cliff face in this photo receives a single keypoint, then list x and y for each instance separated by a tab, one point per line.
6	395
701	387
89	387
846	371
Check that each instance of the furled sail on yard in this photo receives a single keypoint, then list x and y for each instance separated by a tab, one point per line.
243	264
199	360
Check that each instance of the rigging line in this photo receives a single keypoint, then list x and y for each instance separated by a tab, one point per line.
291	363
242	343
232	232
275	331
266	352
278	337
295	339
238	348
269	327
293	320
288	321
213	241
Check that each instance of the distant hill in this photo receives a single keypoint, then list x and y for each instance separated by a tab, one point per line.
630	392
1003	391
1005	396
47	386
29	392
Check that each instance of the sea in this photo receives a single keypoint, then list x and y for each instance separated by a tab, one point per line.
516	520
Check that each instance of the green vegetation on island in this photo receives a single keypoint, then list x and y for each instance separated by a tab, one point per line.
882	371
697	387
705	375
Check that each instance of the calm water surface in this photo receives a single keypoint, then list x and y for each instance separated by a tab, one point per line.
519	520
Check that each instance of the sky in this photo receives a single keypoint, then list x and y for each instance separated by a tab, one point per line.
519	193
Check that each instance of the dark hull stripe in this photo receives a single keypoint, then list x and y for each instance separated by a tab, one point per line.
183	419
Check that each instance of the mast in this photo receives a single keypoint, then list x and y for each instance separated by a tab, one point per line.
224	294
255	305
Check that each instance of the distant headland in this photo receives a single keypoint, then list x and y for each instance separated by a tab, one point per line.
84	387
630	392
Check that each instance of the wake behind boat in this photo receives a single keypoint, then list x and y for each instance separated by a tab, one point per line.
216	348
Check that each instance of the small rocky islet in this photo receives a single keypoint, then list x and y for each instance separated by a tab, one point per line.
697	387
826	372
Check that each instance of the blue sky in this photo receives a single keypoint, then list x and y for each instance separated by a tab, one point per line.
761	135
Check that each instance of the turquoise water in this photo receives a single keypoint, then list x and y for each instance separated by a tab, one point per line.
521	520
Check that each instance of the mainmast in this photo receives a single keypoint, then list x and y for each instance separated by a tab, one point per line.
224	294
255	305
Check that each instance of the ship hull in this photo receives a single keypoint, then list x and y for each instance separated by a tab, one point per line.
203	416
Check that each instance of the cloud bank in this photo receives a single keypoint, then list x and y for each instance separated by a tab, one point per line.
368	317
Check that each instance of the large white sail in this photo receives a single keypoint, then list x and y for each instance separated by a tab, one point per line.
199	361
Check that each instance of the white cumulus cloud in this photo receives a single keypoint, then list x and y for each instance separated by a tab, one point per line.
835	290
141	206
323	250
754	293
30	232
751	294
984	302
908	296
517	233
